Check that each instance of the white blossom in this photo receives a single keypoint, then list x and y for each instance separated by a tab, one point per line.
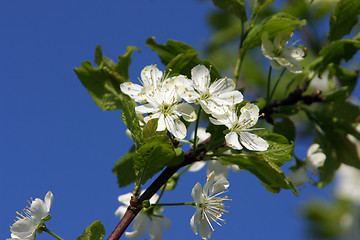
211	96
31	218
164	105
209	205
141	222
314	160
240	128
280	55
348	184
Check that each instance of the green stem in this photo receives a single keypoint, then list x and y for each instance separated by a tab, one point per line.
162	192
268	87
45	229
174	204
196	129
276	84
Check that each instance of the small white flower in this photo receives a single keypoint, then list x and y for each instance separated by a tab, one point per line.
141	222
209	206
280	55
211	96
164	105
240	127
314	160
151	78
32	218
348	184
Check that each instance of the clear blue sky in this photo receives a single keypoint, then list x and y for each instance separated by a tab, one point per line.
53	136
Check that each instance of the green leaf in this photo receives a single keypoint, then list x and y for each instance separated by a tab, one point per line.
103	84
343	49
124	168
267	171
280	149
124	61
95	231
156	153
280	22
265	165
236	7
180	57
217	136
150	128
286	128
343	18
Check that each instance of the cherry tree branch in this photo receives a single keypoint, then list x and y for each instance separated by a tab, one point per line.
135	207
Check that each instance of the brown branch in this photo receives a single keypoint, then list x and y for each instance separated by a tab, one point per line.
293	98
135	207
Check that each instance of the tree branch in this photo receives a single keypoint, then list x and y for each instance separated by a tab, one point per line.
135	207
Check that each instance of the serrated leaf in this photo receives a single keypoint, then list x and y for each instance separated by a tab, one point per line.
124	168
343	18
94	231
270	174
156	153
337	51
278	23
103	84
286	128
124	61
236	7
182	54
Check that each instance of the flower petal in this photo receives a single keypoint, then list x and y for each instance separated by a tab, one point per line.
196	193
48	200
232	140
139	226
155	229
195	219
204	229
38	210
196	166
253	142
201	77
23	229
299	176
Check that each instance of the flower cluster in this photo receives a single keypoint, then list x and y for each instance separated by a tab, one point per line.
170	98
32	218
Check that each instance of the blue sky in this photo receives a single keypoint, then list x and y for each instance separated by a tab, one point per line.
54	137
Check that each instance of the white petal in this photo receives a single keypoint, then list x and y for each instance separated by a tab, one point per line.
209	181
220	185
187	112
299	176
204	229
139	226
229	98
201	77
253	142
151	75
274	64
196	166
222	85
177	127
195	219
132	90
23	228
202	134
267	47
196	193
48	200
155	229
146	108
220	170
120	212
232	140
316	160
312	149
166	222
38	210
161	123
